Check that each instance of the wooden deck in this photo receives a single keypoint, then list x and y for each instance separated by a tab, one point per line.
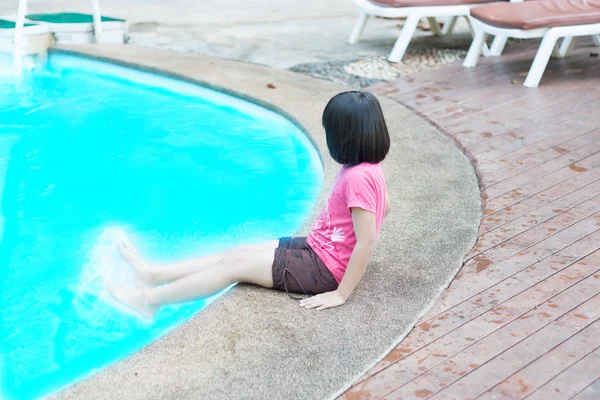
522	318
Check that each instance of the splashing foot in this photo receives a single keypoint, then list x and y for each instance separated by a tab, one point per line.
134	299
143	274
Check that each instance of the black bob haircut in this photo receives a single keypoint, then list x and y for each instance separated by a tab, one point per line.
355	128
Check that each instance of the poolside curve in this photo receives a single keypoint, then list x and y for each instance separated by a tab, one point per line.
256	343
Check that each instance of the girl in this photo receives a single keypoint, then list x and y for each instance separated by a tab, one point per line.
328	263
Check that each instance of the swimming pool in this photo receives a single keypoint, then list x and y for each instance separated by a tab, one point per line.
91	151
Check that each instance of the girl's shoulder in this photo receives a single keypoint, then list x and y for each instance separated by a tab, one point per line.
365	172
375	170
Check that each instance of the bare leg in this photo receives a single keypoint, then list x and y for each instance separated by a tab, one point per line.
148	275
237	266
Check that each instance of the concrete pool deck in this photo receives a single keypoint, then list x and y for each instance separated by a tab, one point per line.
280	35
308	37
256	343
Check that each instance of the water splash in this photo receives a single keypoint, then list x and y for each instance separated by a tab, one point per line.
103	266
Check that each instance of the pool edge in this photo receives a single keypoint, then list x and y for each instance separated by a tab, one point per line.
315	93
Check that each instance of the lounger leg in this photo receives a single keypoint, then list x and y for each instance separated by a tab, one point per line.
435	27
498	45
566	46
475	50
404	39
596	39
359	26
18	39
449	25
485	49
97	21
541	60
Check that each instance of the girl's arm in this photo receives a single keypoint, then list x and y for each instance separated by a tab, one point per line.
365	230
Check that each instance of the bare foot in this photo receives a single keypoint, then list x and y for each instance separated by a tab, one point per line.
134	299
143	276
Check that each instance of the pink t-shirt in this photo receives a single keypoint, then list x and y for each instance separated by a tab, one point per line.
332	236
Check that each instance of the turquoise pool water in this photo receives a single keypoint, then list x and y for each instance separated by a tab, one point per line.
90	152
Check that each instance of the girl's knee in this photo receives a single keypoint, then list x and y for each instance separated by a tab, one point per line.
236	262
242	252
248	248
251	267
233	254
243	248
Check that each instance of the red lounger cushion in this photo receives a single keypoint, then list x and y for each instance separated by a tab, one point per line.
427	3
539	14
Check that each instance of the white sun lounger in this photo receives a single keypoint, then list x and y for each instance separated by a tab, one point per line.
21	24
547	19
413	10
